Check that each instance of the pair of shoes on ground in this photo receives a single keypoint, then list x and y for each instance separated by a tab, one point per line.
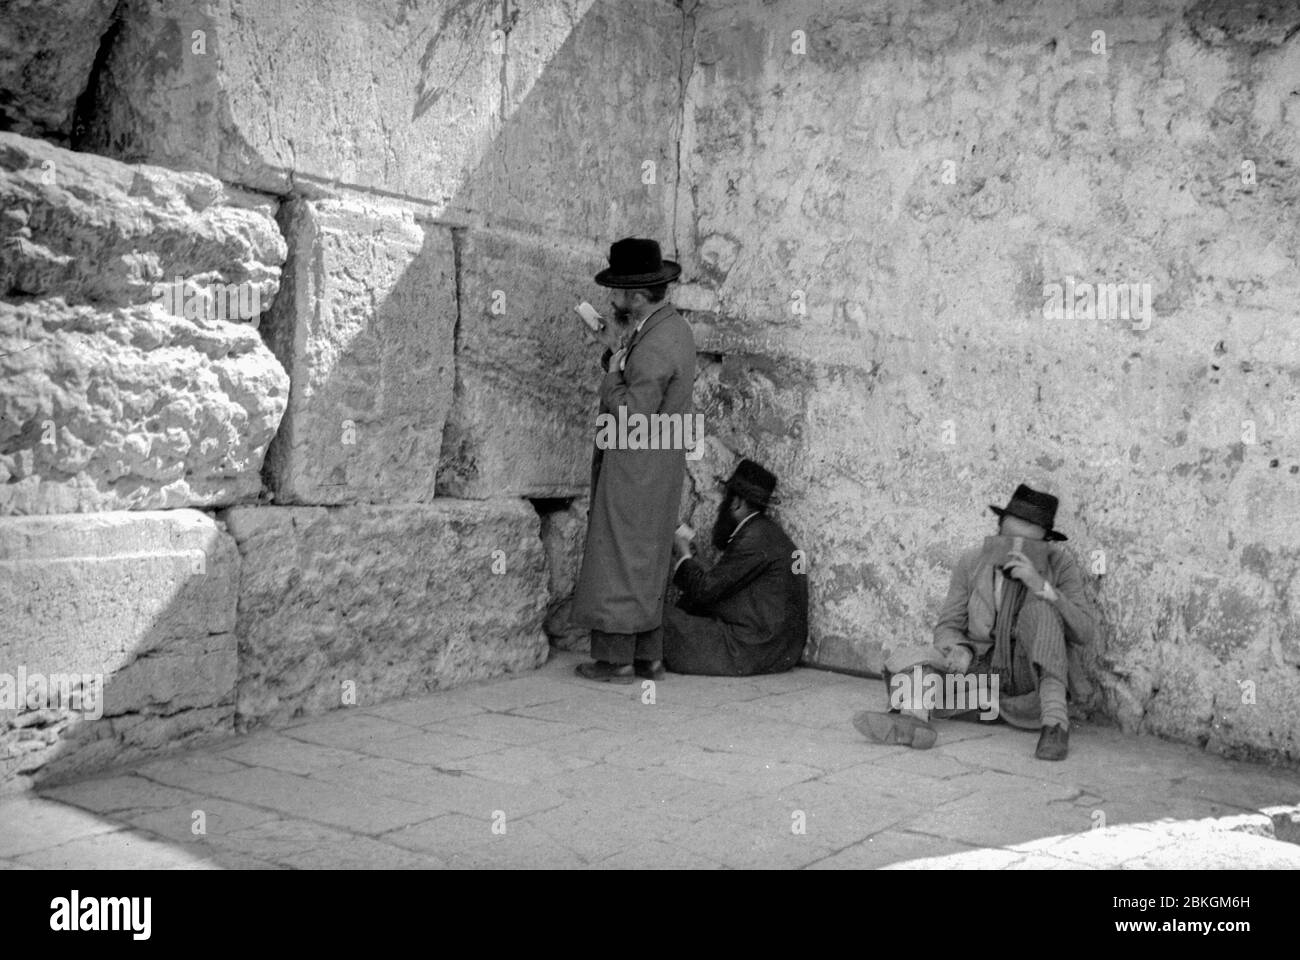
608	672
901	730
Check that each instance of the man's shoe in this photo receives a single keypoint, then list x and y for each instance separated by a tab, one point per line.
1053	743
896	728
608	672
650	669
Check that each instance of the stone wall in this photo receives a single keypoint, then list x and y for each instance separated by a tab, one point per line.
417	243
879	194
113	398
362	604
366	331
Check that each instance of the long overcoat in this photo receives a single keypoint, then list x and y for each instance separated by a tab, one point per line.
636	493
747	615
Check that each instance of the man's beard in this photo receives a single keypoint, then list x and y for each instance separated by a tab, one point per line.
623	316
724	526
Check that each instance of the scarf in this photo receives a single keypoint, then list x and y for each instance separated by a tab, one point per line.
1013	598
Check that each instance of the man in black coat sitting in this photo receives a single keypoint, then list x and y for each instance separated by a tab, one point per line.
749	614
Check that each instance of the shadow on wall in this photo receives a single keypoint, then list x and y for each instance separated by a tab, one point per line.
126	644
430	358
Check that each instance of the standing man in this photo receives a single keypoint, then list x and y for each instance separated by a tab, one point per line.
635	493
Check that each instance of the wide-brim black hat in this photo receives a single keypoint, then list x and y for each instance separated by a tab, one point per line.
1035	507
634	262
753	482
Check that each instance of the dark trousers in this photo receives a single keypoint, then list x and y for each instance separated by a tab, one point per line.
623	648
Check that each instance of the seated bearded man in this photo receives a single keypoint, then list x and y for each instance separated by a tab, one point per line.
749	613
1011	623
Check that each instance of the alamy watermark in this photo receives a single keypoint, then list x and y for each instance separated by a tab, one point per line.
654	431
1098	301
928	690
68	692
75	913
209	301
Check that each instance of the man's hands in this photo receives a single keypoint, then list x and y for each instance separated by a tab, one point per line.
1019	567
608	336
959	659
681	545
611	339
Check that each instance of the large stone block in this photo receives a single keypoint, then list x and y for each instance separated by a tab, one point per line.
523	422
90	230
368	603
138	605
366	327
112	397
460	108
47	52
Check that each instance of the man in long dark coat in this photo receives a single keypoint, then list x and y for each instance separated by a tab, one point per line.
635	492
749	613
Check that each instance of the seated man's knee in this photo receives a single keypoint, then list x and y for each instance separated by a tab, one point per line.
1035	614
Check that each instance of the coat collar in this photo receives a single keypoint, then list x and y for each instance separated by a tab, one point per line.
741	525
656	317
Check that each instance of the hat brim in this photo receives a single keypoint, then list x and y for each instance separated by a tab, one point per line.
628	281
1050	535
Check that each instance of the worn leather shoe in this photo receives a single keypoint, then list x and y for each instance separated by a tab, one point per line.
896	728
606	671
650	669
1053	743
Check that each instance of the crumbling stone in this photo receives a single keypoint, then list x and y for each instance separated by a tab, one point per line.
114	395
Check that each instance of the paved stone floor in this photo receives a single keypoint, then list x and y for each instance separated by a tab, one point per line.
548	770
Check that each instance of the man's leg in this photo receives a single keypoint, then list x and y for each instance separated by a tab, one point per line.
649	653
696	645
613	654
1041	660
907	723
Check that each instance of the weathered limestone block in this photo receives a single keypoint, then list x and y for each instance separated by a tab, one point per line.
379	602
47	52
112	398
366	328
92	230
564	533
142	605
523	422
459	108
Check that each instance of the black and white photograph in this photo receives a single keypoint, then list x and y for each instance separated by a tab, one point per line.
651	435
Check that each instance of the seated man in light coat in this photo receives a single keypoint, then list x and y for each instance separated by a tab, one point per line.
1008	620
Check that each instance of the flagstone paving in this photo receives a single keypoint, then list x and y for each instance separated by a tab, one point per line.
546	770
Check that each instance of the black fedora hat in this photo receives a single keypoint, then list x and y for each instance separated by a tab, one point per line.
1033	506
634	262
752	482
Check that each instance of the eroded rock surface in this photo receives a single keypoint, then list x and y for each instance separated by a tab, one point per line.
381	602
113	393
